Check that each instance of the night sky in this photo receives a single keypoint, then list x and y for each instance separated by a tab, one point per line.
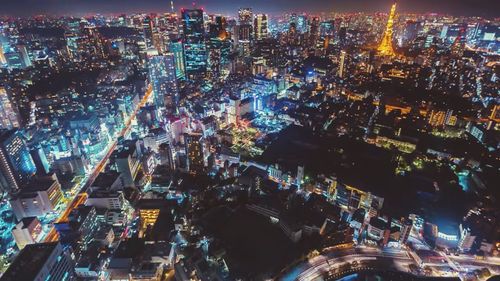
485	8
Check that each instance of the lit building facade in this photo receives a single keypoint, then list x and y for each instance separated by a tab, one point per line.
245	16
49	261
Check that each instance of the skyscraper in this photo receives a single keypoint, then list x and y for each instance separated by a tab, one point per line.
194	152
385	48
302	23
177	50
151	36
166	156
260	26
195	50
314	30
16	164
327	28
147	29
342	61
245	16
40	160
163	78
9	117
458	46
72	45
92	42
14	60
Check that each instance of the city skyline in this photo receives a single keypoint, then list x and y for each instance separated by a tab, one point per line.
481	8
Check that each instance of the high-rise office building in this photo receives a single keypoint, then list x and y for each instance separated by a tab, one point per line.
385	48
3	60
9	117
14	60
327	28
260	26
194	152
23	53
299	22
166	156
16	164
244	39
218	53
195	50
342	61
314	30
91	42
152	38
177	50
147	31
244	33
163	78
43	261
245	16
218	27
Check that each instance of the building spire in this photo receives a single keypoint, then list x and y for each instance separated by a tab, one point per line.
385	48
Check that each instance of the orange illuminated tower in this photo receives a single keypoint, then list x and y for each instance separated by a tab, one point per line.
385	48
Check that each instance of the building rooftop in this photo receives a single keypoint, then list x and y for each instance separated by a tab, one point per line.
32	257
